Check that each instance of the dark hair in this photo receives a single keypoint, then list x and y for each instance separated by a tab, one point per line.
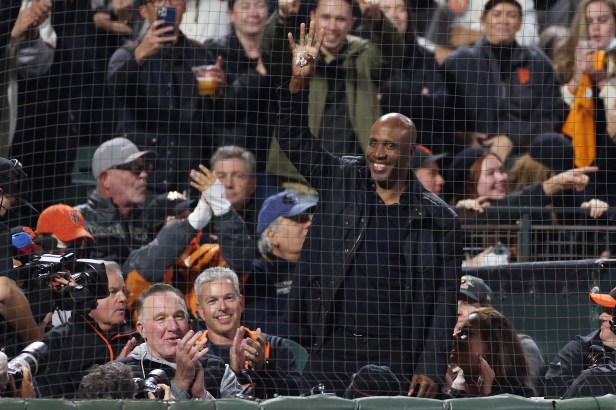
490	4
505	354
110	381
313	4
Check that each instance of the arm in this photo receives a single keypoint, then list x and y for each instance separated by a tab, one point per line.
151	261
565	366
433	361
294	137
15	308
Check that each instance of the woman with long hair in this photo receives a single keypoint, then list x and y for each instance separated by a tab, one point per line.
489	353
590	91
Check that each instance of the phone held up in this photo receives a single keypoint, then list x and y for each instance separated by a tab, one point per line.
167	14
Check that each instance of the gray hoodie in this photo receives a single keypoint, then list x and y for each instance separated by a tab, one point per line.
229	386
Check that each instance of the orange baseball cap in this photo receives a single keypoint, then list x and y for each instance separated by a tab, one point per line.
605	299
64	221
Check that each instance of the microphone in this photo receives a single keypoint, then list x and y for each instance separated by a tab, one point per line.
22	240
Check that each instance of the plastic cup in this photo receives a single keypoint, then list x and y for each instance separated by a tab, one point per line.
206	84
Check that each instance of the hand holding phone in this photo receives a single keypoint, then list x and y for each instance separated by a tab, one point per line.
167	14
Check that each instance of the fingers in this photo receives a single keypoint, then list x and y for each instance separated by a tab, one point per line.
311	33
291	41
414	382
130	345
585	170
219	62
302	34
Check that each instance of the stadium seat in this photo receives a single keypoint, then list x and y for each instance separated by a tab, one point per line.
320	402
500	402
585	403
87	405
398	403
13	404
233	404
300	354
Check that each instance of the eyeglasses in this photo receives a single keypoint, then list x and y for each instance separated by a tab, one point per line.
134	168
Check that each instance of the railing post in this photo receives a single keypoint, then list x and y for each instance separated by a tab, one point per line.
524	237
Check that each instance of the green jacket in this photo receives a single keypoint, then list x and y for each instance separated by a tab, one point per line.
367	64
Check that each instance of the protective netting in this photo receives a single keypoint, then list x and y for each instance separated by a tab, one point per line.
430	157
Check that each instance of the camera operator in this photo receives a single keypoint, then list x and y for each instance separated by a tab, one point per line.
8	387
114	381
97	337
19	327
573	358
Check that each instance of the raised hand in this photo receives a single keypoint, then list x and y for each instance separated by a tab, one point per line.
202	179
31	17
154	40
370	10
304	56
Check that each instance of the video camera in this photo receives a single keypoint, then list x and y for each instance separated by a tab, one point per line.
150	384
29	359
89	275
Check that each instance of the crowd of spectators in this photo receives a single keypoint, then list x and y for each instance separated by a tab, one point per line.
324	217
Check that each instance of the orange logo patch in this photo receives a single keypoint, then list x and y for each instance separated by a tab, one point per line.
523	75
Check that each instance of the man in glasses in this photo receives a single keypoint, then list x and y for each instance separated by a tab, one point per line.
114	211
165	112
576	355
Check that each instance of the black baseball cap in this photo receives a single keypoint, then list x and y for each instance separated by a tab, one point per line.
14	181
423	156
373	380
476	289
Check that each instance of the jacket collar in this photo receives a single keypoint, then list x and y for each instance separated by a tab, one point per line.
105	208
519	56
142	353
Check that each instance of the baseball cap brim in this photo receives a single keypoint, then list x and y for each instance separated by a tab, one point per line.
310	201
603	299
79	233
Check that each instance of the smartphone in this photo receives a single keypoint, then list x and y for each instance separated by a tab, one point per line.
167	14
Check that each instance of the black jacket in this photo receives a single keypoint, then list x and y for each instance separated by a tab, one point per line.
115	236
159	109
433	247
520	104
249	99
280	375
74	347
570	361
418	91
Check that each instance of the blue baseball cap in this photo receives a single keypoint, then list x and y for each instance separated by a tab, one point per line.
284	204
